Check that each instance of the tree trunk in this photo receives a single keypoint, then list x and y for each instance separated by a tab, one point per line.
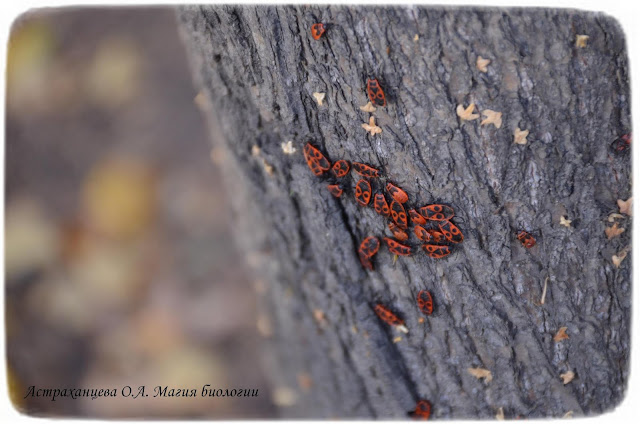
258	68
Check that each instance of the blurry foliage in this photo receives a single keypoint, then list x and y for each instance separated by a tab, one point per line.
113	76
31	239
130	279
119	197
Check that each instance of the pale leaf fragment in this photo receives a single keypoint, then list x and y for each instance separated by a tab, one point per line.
467	114
318	314
492	117
267	168
481	373
368	108
581	41
371	127
613	231
619	257
613	216
500	414
402	329
319	98
561	334
520	136
287	147
482	63
625	206
567	377
565	221
569	414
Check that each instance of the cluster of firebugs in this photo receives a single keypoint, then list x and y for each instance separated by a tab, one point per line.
432	223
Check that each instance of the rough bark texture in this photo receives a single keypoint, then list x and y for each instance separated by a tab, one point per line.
259	66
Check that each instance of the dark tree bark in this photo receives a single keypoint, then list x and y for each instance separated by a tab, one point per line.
259	66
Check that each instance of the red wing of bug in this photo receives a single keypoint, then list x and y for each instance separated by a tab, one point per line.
375	93
425	302
416	218
335	190
340	168
369	246
365	170
422	411
450	231
437	235
317	30
436	251
365	262
387	316
316	160
397	193
398	214
363	192
621	143
380	204
397	248
526	239
437	212
398	232
422	234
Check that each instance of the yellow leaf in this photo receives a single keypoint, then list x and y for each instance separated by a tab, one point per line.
119	197
561	334
481	373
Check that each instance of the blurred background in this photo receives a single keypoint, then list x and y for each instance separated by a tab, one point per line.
120	268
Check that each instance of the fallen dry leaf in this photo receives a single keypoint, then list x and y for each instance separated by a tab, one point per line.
567	377
416	37
566	222
287	147
613	216
368	108
318	314
371	127
500	414
481	64
619	257
492	117
255	150
561	334
613	231
520	136
569	414
401	328
625	206
481	373
581	41
267	168
319	98
397	339
467	114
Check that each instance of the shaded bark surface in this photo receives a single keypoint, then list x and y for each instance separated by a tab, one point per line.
258	67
